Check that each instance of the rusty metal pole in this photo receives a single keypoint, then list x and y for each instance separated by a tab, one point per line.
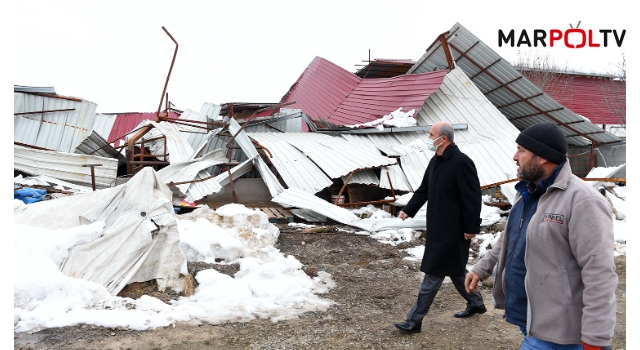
233	190
246	123
592	157
165	147
343	187
170	69
93	174
129	153
393	193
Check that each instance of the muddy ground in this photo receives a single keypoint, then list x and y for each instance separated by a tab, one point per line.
376	287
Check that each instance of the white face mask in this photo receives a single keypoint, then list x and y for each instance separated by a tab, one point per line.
431	146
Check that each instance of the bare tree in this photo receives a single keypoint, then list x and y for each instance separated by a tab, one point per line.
547	74
555	79
614	91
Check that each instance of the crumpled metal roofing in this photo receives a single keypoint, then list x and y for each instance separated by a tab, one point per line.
523	103
334	155
327	91
293	197
489	139
236	172
250	151
45	180
96	145
186	164
193	169
127	122
295	168
196	136
398	178
103	124
66	166
59	131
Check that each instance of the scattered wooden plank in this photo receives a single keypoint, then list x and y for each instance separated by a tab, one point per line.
277	214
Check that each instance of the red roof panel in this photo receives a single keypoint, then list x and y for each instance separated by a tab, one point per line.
327	91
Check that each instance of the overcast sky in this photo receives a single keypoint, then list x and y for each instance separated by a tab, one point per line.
116	54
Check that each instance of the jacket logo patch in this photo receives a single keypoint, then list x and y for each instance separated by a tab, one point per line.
557	218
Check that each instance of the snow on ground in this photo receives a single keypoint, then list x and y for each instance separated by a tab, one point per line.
268	284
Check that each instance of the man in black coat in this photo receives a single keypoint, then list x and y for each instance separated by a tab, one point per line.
451	189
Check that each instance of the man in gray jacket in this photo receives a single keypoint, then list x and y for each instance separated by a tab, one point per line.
556	276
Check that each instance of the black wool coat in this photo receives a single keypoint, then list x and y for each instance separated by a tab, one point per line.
451	188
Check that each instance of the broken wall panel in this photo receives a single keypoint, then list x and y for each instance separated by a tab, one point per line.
293	166
250	151
196	136
193	170
62	125
66	166
334	155
398	179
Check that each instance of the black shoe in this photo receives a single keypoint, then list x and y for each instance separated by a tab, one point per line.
408	326
470	310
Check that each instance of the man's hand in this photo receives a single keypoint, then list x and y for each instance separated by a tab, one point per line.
402	215
471	282
469	235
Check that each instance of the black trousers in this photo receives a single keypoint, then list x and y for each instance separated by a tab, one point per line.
428	290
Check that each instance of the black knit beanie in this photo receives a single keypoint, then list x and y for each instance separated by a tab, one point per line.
545	140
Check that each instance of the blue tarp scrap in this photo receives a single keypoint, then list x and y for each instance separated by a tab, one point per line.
29	195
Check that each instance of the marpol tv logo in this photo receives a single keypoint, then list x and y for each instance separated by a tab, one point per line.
573	38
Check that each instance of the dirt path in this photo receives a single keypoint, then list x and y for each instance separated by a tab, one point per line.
375	288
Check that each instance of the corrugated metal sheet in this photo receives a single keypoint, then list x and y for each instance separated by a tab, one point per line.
196	136
178	148
520	101
398	179
385	68
38	89
285	122
489	138
103	124
297	198
366	177
236	172
97	146
321	88
295	169
250	151
372	99
194	169
414	164
45	180
65	166
418	222
326	91
127	122
334	155
59	131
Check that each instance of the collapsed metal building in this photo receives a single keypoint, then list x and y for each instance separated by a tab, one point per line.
314	140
